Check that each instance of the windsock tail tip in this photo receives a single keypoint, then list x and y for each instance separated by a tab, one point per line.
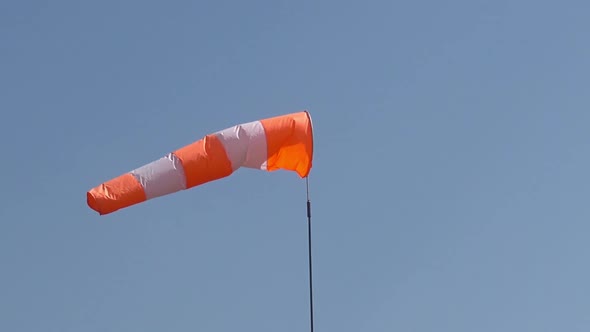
93	202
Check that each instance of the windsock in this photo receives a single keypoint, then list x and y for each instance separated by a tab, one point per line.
281	142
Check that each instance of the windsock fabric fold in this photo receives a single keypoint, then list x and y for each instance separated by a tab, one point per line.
281	142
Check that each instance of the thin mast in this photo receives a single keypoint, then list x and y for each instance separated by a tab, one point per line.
309	253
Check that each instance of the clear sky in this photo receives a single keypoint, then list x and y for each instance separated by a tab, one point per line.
450	187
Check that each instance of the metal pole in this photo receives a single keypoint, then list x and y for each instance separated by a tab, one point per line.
309	254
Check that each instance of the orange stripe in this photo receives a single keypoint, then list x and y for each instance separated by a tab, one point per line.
204	160
289	142
118	193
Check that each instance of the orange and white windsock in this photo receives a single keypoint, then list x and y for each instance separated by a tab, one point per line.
282	142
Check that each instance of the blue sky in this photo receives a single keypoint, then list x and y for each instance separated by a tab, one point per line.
450	181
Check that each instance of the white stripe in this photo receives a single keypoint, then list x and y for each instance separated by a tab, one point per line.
161	177
245	145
